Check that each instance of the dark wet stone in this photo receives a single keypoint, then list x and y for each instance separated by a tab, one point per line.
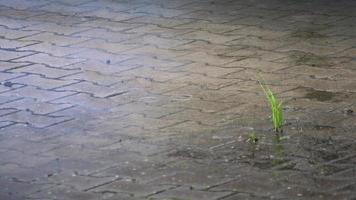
188	153
319	95
323	127
307	34
304	58
349	111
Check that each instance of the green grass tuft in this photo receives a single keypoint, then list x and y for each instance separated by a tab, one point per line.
276	109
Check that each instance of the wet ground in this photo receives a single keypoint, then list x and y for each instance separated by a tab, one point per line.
159	99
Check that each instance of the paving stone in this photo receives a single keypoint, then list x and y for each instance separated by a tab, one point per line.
49	60
7	55
160	42
158	30
153	62
8	44
207	15
143	171
201	57
40	82
258	32
242	185
103	68
159	99
68	8
47	72
187	193
109	47
6	111
208	48
163	22
18	14
149	73
4	124
92	89
66	20
208	26
6	192
107	35
11	65
37	107
138	120
245	196
209	37
15	34
151	111
159	11
36	93
6	76
86	101
319	50
21	5
55	28
65	192
205	81
95	77
139	94
51	49
144	149
37	121
156	52
27	133
109	25
21	159
257	42
29	148
101	56
79	182
53	38
194	115
9	86
15	23
8	98
258	64
133	189
108	13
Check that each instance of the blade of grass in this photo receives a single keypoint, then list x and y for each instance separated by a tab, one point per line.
276	108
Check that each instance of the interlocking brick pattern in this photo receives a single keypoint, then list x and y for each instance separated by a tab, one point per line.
154	99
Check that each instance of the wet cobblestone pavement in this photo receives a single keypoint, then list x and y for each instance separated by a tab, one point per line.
155	99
